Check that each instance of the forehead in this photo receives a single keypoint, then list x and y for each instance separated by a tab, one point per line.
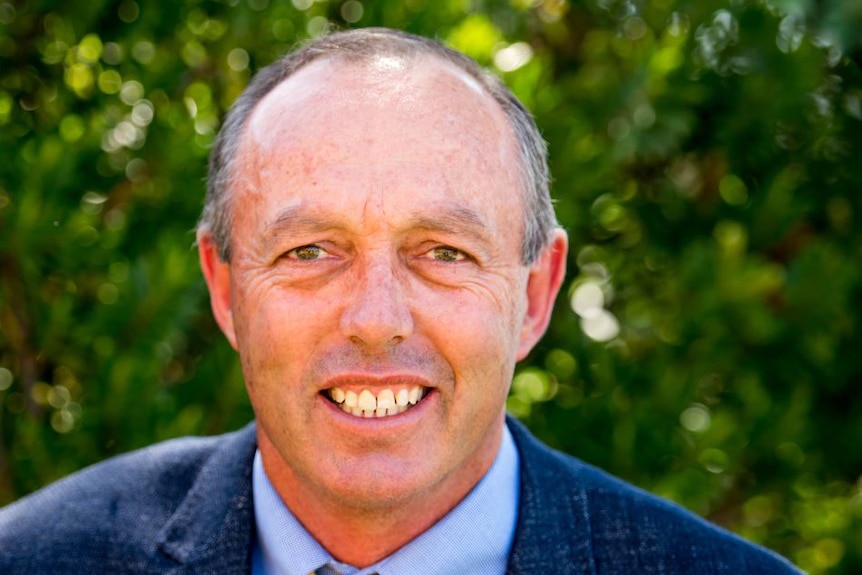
389	98
384	126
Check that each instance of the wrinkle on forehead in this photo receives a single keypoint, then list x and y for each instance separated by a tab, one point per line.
406	90
420	116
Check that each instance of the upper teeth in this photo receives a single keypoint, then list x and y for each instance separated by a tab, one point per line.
386	402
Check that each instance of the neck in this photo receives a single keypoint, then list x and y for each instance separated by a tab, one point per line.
362	533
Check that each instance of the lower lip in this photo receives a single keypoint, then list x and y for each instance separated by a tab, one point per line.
405	418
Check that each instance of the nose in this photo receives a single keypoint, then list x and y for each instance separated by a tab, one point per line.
377	313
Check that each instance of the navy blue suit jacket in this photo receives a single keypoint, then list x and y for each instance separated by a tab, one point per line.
185	507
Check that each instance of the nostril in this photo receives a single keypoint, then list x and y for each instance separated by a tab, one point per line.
377	320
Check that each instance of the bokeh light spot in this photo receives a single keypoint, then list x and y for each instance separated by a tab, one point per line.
512	57
72	128
110	82
194	54
602	327
62	421
142	113
79	77
108	293
112	53
128	11
352	11
90	49
714	460
237	59
144	51
588	300
561	363
317	26
131	92
733	190
6	379
695	418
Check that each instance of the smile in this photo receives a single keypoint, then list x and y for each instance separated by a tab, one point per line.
385	403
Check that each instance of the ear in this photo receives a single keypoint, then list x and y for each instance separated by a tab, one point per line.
217	275
543	285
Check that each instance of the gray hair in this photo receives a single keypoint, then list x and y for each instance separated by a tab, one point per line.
364	44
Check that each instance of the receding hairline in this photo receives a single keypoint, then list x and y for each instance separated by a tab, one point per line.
418	62
365	45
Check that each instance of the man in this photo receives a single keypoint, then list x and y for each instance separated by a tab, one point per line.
380	248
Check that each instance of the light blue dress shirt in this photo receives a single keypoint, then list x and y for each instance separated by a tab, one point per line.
475	537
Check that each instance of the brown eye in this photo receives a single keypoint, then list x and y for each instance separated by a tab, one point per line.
447	254
306	253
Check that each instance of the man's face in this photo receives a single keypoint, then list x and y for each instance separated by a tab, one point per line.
376	293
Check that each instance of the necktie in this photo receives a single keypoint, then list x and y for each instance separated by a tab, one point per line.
328	570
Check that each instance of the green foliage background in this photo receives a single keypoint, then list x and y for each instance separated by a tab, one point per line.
705	156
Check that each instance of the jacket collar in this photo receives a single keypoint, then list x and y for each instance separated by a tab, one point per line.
553	533
212	529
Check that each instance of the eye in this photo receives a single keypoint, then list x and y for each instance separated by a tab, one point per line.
447	254
310	252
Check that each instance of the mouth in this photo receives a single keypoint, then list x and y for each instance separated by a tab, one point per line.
385	402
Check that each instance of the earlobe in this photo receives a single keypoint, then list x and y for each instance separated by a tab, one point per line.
543	285
217	275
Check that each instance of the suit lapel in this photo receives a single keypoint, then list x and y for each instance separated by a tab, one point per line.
553	533
212	529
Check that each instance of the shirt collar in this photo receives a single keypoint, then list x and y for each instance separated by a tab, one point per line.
457	543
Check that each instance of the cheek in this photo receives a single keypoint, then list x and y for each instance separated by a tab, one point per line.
271	327
498	307
475	329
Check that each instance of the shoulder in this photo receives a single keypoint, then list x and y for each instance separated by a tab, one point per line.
113	509
611	526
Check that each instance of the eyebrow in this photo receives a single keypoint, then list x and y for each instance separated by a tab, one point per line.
294	217
458	221
451	220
